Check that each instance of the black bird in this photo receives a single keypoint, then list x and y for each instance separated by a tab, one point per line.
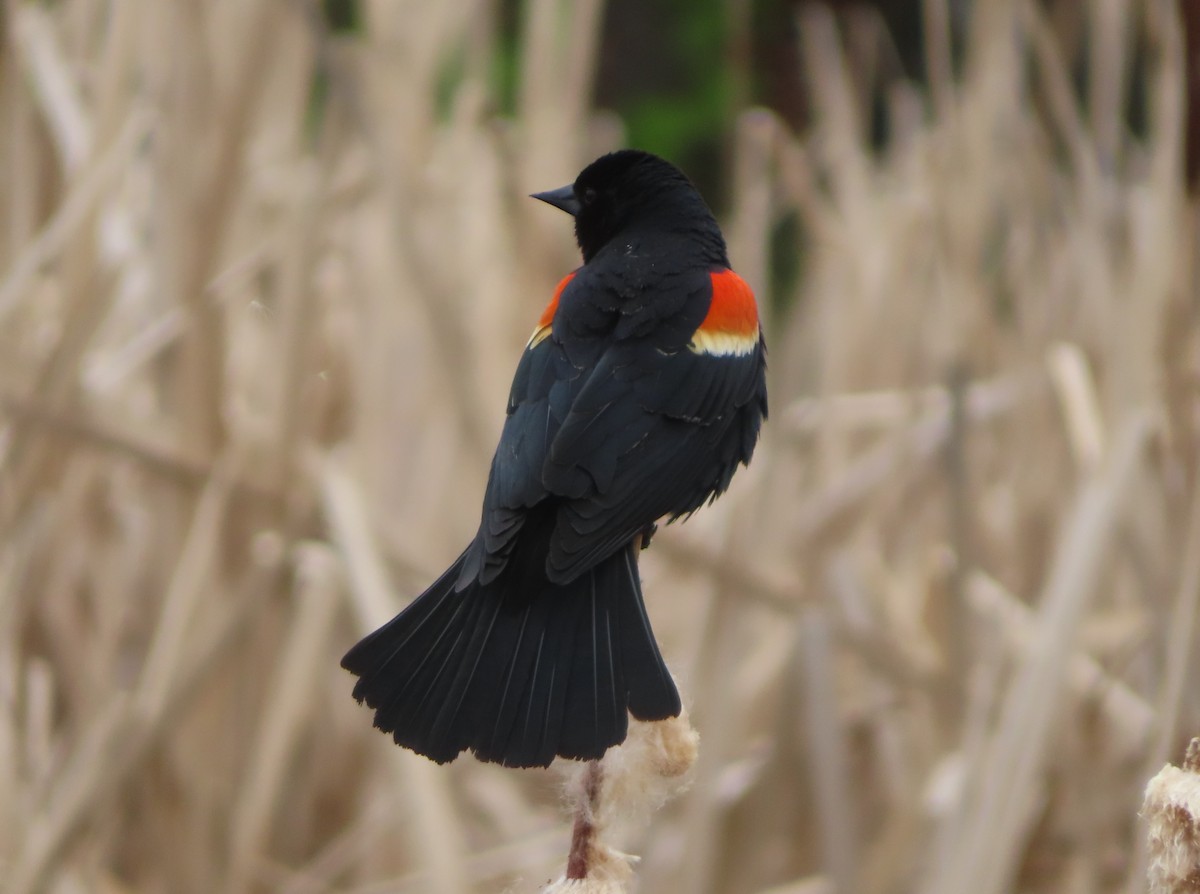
640	391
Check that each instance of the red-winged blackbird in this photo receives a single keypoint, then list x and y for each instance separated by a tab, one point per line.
640	391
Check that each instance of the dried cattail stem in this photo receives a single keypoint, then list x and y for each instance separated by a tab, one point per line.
624	787
585	826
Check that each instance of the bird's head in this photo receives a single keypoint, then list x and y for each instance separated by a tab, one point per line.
624	190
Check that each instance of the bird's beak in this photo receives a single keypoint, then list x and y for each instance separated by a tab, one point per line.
563	197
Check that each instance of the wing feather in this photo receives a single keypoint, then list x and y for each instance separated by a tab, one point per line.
619	426
659	442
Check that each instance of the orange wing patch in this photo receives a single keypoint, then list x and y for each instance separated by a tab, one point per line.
546	320
731	325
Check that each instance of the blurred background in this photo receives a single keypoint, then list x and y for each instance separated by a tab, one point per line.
266	267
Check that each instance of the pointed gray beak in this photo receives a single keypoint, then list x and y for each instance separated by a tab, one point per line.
563	197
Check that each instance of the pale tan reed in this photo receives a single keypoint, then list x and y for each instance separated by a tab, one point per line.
253	359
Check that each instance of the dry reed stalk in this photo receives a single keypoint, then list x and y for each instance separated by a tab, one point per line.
150	451
1076	390
299	318
561	39
408	264
904	453
128	724
205	253
996	819
882	410
437	835
117	741
1178	661
189	586
936	33
723	635
55	85
206	197
87	188
838	109
758	137
831	779
1130	718
857	626
814	885
529	856
289	708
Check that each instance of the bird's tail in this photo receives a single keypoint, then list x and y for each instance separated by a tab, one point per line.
518	670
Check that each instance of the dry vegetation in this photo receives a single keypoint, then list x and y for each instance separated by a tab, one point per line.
253	359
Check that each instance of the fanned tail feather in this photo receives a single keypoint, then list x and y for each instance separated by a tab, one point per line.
518	670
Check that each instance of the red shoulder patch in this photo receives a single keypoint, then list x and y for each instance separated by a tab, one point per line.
731	325
547	318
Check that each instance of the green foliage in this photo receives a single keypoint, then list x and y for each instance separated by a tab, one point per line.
343	16
691	105
665	70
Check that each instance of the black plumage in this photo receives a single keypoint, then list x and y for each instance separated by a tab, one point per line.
636	401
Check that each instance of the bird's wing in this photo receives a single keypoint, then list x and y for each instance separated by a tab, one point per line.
544	386
656	432
622	432
649	435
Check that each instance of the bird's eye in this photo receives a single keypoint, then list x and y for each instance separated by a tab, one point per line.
589	196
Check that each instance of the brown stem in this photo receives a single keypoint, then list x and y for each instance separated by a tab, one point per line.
584	831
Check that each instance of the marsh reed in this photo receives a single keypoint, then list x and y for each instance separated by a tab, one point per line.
935	640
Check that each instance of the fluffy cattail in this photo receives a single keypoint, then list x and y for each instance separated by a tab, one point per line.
1172	812
624	787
